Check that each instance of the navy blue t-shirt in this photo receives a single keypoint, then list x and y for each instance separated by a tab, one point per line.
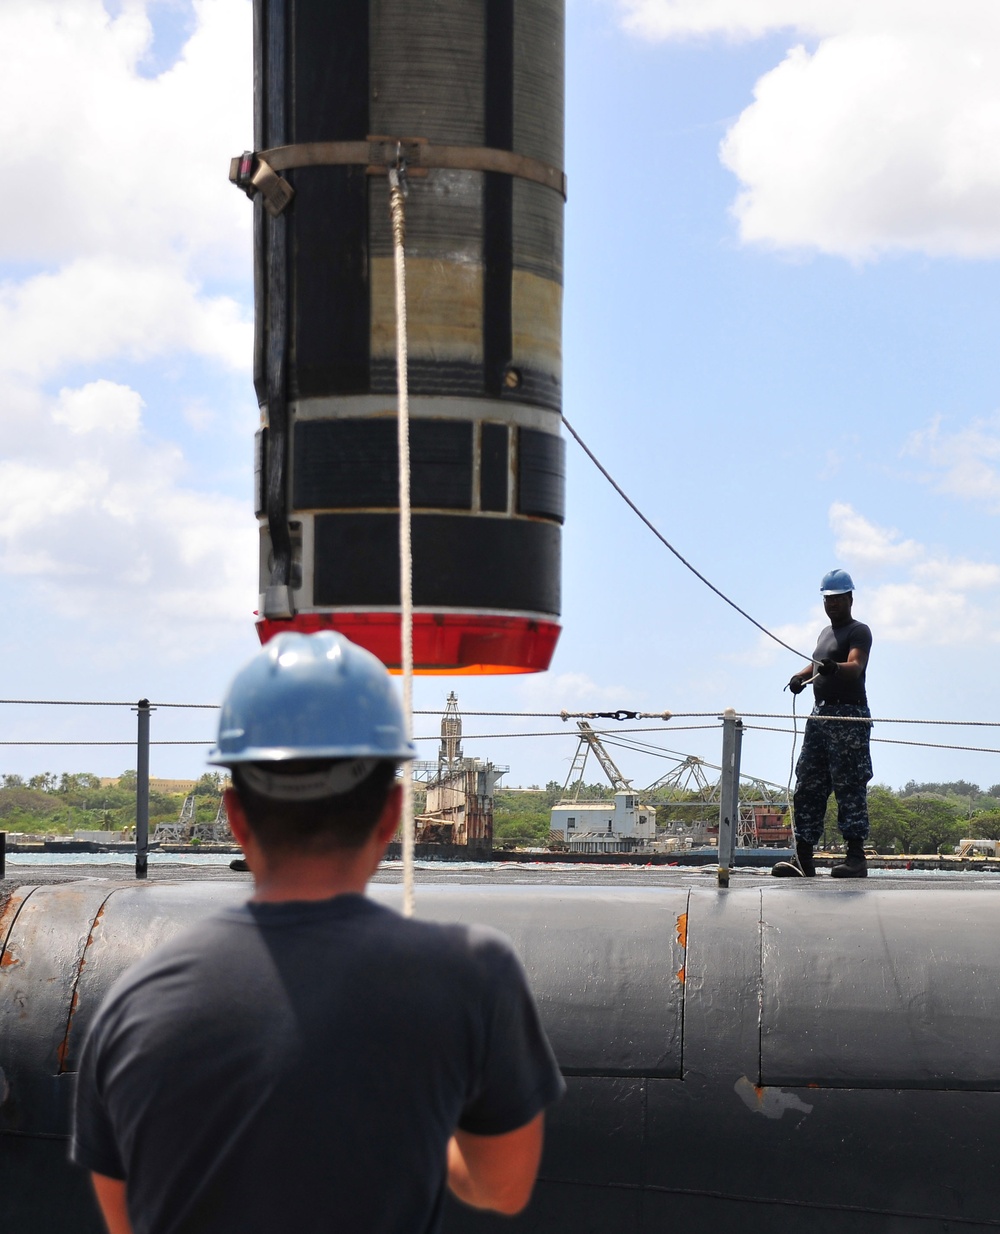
301	1066
836	643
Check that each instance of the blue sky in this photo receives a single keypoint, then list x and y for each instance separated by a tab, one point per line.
779	335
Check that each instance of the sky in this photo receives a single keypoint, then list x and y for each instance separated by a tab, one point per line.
781	310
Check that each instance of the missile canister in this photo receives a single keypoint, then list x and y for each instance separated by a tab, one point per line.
465	99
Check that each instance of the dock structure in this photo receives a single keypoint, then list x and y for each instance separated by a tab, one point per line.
459	806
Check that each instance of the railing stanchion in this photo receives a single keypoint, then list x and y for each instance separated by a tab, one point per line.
142	790
729	792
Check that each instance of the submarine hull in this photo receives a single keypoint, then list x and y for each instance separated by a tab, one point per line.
752	1059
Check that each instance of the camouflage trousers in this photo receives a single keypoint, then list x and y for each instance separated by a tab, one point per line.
835	758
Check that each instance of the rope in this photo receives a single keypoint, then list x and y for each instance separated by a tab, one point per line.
431	737
562	733
77	702
892	741
789	796
104	743
782	715
398	216
536	715
666	543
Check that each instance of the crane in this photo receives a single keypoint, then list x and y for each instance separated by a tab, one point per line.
589	740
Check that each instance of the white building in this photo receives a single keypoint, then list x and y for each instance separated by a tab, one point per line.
616	826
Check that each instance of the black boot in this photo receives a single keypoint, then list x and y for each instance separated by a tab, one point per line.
854	864
802	867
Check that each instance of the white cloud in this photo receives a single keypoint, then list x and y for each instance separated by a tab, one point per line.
99	307
906	591
119	207
573	692
99	157
860	541
929	600
101	405
928	614
959	574
883	136
800	636
965	463
110	529
740	19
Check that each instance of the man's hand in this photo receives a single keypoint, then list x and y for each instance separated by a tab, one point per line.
827	667
796	684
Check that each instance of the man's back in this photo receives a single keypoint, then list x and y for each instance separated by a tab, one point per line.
303	1065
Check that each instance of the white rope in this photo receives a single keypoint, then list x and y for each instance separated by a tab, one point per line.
791	777
405	546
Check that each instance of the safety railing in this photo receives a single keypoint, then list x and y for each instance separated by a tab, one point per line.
625	729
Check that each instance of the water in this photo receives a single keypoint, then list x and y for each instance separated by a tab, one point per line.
63	867
45	860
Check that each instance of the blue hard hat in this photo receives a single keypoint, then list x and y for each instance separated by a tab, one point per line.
836	583
316	696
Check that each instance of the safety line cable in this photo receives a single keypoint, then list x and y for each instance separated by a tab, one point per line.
541	715
429	737
609	737
397	189
82	702
647	747
891	741
664	541
209	742
689	728
783	715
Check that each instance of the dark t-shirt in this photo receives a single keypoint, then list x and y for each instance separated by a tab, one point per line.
301	1066
836	643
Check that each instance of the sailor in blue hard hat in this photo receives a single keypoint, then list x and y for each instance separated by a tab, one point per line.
310	1059
835	753
307	719
836	583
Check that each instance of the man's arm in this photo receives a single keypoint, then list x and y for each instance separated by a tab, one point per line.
855	664
495	1171
111	1197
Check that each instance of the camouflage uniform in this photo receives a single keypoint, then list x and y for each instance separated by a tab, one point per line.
835	758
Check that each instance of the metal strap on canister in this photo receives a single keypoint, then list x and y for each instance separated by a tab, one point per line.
257	171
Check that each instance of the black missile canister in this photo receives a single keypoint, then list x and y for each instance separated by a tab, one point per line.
465	98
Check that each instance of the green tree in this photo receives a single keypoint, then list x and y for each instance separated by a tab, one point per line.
938	823
985	825
892	824
530	828
78	782
947	788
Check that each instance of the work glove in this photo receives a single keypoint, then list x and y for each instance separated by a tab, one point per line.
796	684
826	668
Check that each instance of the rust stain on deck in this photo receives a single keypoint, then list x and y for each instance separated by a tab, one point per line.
8	915
63	1050
682	931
